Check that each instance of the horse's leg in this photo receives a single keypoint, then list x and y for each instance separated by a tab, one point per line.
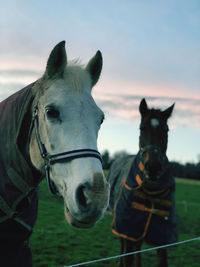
138	256
162	257
121	264
126	247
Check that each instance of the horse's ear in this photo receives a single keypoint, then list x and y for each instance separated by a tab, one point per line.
94	67
168	112
143	107
57	60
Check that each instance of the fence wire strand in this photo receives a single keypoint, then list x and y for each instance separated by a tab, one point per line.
134	252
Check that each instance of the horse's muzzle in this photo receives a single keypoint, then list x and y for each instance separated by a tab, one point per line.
153	163
153	170
91	200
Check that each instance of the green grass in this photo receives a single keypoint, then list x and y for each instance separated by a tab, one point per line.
55	243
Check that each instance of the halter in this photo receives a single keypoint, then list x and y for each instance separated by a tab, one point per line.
155	148
50	160
144	149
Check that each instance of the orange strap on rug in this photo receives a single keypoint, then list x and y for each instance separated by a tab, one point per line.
162	213
141	166
138	180
163	202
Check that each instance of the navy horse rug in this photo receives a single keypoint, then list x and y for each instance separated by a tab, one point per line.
18	208
142	212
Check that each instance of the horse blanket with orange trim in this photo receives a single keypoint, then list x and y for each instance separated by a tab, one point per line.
139	213
18	180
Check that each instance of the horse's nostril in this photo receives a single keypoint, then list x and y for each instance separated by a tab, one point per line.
147	166
81	197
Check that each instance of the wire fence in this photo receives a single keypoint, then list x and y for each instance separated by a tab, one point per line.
186	205
134	252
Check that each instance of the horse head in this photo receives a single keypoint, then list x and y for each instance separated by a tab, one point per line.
153	141
63	139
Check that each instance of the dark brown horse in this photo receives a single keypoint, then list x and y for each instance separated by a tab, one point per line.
142	191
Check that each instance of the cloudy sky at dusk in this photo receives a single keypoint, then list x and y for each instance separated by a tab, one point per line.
150	49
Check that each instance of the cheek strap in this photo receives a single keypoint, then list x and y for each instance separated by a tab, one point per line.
59	157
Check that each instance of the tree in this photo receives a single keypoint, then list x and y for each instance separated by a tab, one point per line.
120	154
106	160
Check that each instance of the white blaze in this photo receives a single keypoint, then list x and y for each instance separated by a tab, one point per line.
155	122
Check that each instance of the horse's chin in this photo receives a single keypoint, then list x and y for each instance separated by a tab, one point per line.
76	223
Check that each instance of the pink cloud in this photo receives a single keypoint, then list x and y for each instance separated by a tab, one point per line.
119	86
123	103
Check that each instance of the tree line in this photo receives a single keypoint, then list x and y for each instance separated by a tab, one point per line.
187	170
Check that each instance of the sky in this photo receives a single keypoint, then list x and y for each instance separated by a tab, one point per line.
150	49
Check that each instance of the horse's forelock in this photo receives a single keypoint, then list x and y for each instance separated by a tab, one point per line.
155	112
152	114
76	77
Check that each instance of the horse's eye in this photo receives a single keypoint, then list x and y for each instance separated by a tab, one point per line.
52	112
142	127
102	119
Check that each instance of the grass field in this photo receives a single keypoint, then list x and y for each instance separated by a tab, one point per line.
55	243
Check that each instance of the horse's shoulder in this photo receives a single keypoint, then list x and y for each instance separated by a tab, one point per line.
118	171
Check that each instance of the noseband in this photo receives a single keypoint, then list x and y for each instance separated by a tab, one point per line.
51	159
148	148
153	148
